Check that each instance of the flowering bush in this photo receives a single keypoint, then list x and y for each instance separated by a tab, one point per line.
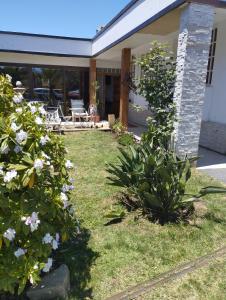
35	213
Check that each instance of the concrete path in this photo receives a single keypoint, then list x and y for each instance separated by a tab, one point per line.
137	130
212	164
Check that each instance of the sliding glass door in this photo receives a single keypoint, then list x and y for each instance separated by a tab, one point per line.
48	86
52	86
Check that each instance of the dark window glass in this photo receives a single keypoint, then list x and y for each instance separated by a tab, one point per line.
48	86
76	86
18	74
211	57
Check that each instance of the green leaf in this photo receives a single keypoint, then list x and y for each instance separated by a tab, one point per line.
17	167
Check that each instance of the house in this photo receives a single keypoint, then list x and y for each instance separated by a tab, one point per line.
61	68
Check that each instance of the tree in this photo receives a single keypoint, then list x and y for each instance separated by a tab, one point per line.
156	85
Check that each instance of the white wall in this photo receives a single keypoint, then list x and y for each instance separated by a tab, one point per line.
135	16
15	42
140	117
215	98
6	57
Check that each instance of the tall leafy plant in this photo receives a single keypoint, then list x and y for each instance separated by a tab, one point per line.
155	181
156	85
36	216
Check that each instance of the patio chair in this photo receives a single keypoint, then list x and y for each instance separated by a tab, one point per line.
53	120
62	116
77	103
78	111
80	114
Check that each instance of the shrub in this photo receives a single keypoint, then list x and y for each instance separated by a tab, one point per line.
126	139
156	85
35	213
155	181
118	128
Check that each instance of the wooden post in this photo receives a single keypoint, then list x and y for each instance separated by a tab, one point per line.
92	79
124	87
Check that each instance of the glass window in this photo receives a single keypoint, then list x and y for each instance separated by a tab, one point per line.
76	86
211	60
51	86
48	86
18	74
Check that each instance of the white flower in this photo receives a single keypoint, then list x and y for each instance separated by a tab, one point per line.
19	252
1	170
33	109
42	110
57	237
10	175
66	188
38	164
5	149
47	239
64	199
19	110
48	265
21	136
38	121
54	244
17	98
69	164
9	77
32	221
44	140
17	149
14	127
10	234
45	155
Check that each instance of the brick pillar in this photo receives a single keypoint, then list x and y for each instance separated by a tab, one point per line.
92	79
192	58
124	87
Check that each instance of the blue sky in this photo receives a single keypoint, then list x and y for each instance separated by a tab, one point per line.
78	18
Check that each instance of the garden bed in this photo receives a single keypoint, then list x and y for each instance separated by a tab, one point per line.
108	259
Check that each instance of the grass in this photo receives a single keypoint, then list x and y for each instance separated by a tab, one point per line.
204	284
108	259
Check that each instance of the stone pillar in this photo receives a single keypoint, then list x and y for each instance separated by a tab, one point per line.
124	87
192	58
92	79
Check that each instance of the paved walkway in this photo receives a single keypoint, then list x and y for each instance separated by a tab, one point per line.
210	162
137	130
213	164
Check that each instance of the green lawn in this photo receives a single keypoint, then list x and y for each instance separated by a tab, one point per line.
109	259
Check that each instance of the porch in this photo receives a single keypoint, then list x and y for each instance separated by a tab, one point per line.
58	70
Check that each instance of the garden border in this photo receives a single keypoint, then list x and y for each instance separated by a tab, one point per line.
140	289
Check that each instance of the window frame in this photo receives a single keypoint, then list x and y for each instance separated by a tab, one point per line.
211	58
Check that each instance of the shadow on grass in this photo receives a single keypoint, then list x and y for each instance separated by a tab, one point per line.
79	257
212	217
